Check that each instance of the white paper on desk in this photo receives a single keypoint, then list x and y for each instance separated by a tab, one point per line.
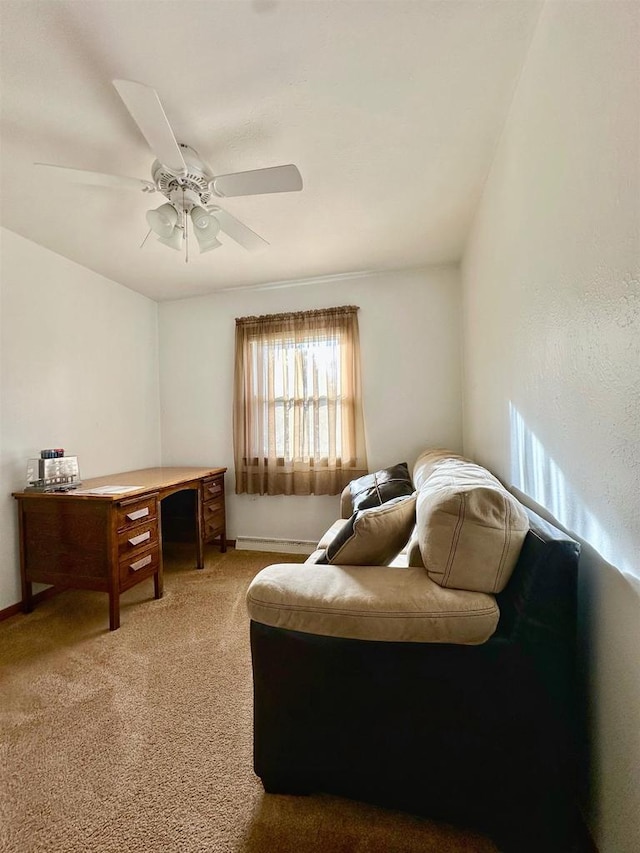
107	490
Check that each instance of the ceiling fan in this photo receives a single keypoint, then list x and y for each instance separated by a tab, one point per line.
185	180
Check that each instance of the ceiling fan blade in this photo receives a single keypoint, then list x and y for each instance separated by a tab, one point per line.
243	235
146	110
82	176
277	179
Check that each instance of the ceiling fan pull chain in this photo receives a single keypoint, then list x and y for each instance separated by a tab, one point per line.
146	238
185	231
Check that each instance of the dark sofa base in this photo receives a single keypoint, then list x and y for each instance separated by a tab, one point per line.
479	736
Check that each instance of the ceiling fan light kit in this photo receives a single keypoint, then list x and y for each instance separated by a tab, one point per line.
185	180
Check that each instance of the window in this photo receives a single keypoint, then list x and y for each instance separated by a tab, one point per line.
298	427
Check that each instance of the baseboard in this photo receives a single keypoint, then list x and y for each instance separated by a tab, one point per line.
282	546
14	609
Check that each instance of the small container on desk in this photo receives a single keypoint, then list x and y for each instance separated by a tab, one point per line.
53	474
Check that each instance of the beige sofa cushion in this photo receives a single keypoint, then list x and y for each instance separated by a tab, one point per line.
470	528
429	460
369	603
372	537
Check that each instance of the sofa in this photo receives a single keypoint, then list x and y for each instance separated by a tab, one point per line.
423	658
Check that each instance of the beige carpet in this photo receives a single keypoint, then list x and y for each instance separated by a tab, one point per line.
140	739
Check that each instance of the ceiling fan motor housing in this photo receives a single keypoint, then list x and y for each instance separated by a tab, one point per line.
184	191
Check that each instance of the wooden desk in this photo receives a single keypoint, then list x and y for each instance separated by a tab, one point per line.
110	542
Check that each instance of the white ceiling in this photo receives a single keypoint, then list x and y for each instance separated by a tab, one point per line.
391	110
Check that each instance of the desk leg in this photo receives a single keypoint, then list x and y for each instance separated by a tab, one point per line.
27	588
199	530
27	597
114	609
158	583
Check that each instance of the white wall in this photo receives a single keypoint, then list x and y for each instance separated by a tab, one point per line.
410	349
78	369
551	305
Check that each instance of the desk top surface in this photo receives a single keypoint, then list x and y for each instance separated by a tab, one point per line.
144	480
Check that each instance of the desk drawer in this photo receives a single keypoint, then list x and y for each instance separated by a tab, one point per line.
137	566
213	508
138	539
137	511
214	526
213	488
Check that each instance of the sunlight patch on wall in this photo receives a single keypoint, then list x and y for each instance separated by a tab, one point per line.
539	476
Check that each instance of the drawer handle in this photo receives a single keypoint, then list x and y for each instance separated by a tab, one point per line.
214	490
139	513
140	564
137	540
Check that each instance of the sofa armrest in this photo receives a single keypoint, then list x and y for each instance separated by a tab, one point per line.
346	504
369	603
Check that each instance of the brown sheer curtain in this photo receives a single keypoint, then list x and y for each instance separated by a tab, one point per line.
297	418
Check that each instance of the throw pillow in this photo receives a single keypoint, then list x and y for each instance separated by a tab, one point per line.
380	487
373	537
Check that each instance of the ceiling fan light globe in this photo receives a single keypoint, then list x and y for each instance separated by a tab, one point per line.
203	221
200	217
206	240
163	220
174	240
